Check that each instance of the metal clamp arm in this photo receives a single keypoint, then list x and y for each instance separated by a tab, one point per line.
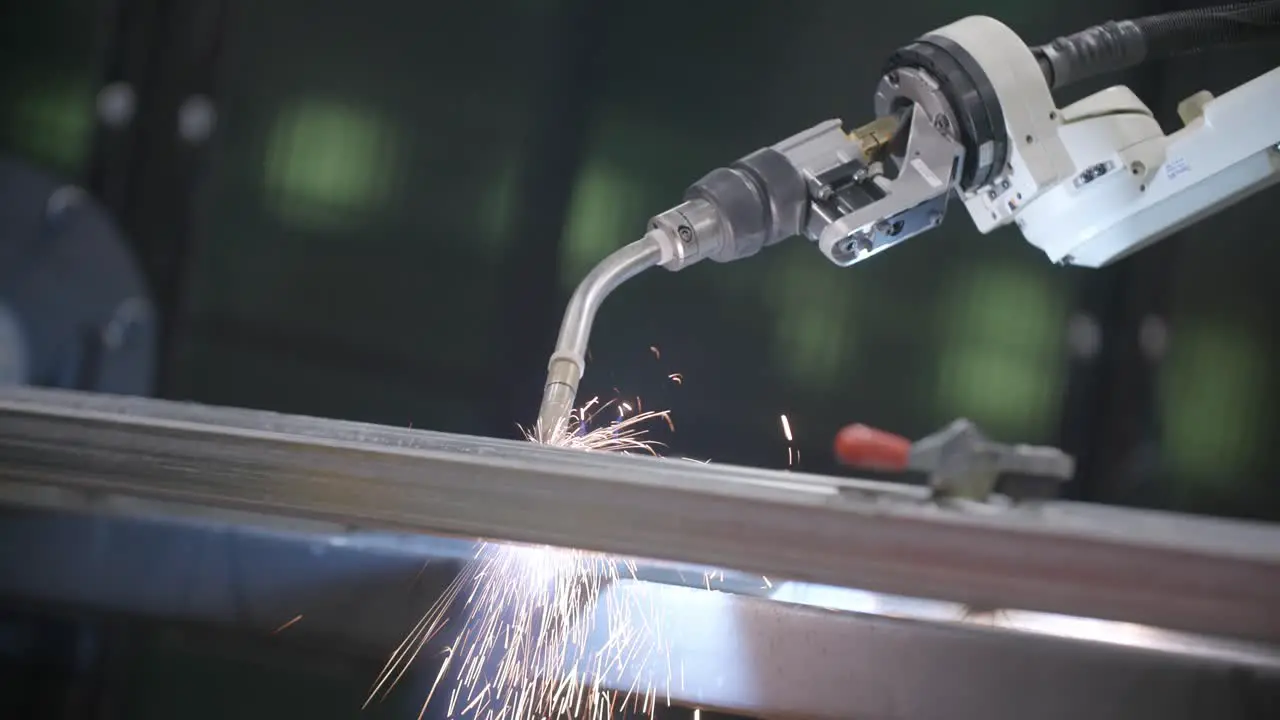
959	460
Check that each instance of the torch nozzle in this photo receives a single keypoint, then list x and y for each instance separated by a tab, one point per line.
564	371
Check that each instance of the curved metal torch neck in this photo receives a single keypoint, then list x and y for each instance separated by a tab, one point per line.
568	360
565	369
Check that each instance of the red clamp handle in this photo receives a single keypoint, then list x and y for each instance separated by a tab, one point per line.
870	449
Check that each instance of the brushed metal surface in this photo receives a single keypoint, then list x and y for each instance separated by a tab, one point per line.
780	660
801	653
1195	574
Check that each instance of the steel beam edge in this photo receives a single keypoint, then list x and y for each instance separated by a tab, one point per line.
1200	575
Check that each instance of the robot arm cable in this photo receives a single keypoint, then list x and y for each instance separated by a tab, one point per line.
1118	45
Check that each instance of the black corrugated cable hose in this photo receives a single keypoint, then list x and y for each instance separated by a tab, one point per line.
1117	45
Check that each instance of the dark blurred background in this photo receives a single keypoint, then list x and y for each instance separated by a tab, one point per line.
376	211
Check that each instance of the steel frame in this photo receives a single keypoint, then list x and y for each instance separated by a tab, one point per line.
1200	575
764	657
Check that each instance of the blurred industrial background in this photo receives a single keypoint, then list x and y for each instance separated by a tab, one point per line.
376	211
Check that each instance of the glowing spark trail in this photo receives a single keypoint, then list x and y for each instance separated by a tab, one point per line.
793	454
520	650
287	625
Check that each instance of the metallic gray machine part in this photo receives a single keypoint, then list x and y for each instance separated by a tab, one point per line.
729	214
912	202
853	194
1200	575
961	461
564	371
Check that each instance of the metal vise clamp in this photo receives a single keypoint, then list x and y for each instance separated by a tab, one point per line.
959	461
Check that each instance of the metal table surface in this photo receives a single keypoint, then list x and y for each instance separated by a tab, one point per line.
805	652
780	660
1200	575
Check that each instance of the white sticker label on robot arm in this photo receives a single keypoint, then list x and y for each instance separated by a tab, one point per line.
926	173
1176	167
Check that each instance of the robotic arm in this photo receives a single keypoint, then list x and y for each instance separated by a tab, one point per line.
967	111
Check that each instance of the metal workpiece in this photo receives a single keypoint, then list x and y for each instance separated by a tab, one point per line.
792	650
1200	575
777	659
568	361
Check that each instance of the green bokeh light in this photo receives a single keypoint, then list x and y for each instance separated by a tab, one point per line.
54	124
329	163
602	217
1000	363
496	212
813	305
1214	391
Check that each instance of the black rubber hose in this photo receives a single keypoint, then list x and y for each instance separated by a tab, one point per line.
1117	45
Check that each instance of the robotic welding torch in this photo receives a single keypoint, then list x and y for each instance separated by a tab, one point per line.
569	360
730	214
968	111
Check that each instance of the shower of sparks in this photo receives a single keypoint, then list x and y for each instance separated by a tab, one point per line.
627	434
676	378
526	615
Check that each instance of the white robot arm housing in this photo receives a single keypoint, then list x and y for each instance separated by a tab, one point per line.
967	111
1098	180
